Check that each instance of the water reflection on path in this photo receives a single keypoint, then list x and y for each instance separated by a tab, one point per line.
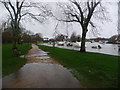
41	72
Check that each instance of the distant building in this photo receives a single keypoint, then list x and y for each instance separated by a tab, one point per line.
45	39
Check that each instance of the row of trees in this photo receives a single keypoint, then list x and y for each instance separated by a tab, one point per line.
114	39
18	10
73	11
73	37
26	36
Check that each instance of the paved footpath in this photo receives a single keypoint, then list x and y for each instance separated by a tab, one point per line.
41	71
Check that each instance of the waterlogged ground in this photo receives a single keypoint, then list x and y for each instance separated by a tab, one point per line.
41	71
111	49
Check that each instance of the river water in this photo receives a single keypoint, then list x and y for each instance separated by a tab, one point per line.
111	49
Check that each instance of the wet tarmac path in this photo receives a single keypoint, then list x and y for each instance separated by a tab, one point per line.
41	71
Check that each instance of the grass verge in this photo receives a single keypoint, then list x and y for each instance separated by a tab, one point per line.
11	63
93	70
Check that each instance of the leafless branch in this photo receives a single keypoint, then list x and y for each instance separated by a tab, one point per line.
81	12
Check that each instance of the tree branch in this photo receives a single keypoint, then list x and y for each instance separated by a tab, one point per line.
91	23
74	15
67	20
19	11
12	7
91	10
88	6
79	8
17	4
6	6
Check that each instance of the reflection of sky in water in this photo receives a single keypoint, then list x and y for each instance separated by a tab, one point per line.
42	57
111	49
106	48
33	55
40	75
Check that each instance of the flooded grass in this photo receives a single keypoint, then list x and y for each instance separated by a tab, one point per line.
11	63
93	70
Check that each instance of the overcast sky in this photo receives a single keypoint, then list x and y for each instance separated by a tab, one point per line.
47	29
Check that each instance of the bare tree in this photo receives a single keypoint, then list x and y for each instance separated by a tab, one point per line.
73	37
82	13
60	37
15	16
17	10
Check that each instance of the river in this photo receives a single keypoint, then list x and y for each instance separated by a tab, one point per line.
111	49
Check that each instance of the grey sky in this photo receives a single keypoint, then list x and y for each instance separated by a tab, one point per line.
107	30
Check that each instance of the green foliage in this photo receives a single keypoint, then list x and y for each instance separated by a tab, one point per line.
91	69
11	63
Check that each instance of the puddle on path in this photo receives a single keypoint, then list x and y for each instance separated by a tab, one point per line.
41	71
42	57
33	55
40	75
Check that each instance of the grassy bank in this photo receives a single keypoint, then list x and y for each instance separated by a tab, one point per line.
91	69
11	63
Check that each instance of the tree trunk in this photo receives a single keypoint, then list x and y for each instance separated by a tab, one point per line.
15	35
14	44
14	40
82	49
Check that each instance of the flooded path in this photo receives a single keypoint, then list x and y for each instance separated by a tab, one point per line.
41	71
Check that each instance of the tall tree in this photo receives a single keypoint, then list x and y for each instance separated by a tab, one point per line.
60	37
80	12
73	37
7	35
17	10
15	16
